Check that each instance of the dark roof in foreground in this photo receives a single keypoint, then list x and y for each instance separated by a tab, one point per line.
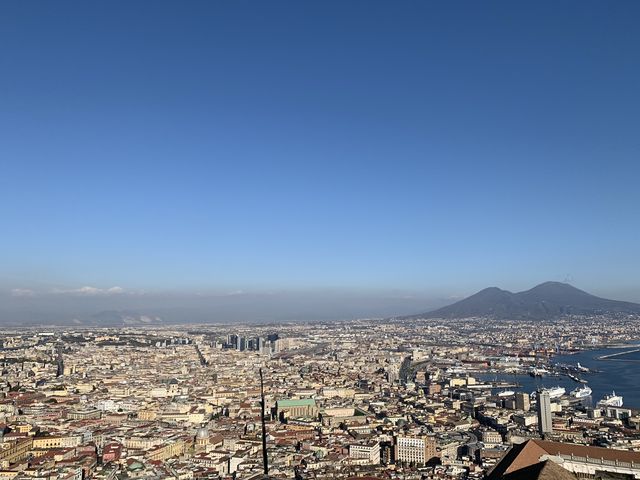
528	454
546	470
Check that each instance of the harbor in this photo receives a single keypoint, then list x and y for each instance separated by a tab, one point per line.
593	369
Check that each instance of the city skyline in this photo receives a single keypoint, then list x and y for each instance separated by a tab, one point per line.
425	149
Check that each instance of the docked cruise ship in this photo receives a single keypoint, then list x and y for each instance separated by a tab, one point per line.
612	400
581	392
555	392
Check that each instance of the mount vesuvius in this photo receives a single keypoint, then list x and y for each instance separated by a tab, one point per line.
545	301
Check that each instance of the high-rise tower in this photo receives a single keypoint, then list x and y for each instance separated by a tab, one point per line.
545	425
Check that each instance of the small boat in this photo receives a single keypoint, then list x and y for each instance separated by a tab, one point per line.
581	368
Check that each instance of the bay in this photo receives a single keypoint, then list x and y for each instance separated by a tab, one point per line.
621	373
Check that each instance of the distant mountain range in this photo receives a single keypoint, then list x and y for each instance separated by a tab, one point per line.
546	301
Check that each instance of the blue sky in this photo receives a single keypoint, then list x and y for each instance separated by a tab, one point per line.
366	146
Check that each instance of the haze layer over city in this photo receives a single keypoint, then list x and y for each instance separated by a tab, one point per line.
319	240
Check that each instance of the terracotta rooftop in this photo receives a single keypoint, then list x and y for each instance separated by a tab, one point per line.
529	453
546	470
557	448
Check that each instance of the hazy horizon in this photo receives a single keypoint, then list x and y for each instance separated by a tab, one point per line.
68	306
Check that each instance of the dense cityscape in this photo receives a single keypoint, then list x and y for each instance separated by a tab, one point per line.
420	399
319	240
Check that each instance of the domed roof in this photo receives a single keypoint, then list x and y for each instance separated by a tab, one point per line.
203	433
136	466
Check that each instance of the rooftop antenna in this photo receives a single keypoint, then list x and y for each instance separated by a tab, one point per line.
265	459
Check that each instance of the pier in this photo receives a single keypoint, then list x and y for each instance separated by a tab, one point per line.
613	355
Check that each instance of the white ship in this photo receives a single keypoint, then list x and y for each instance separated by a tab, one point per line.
581	368
537	372
506	393
555	392
612	400
581	392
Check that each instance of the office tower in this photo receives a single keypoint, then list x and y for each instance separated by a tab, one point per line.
523	401
545	425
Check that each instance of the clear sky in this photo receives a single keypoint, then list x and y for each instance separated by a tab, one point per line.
349	145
